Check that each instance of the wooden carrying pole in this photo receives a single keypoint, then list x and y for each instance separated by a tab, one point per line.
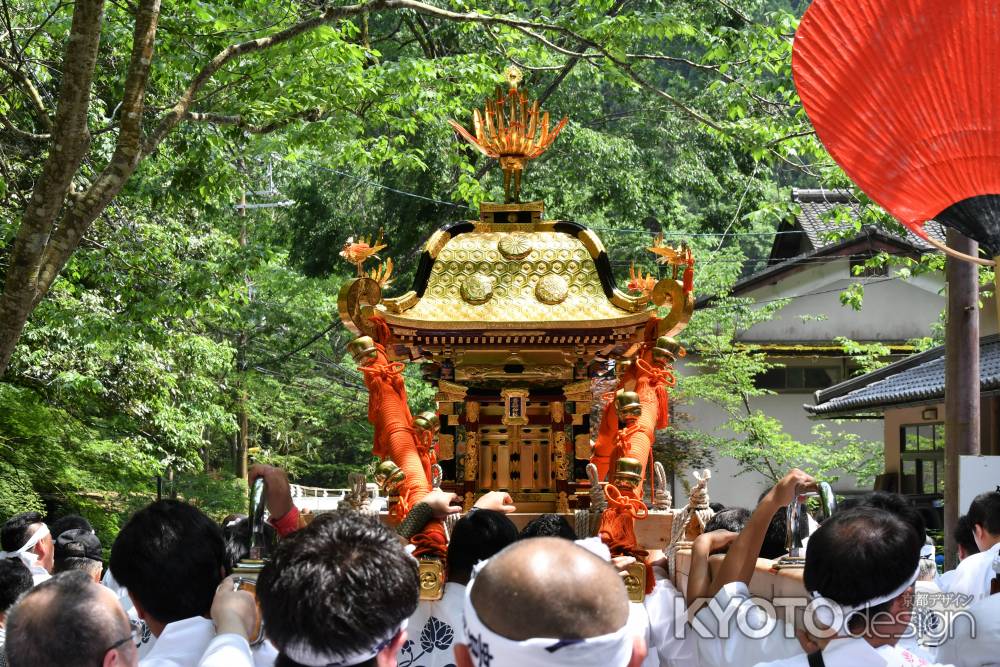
961	384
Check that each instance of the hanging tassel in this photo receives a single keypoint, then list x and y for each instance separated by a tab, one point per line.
662	407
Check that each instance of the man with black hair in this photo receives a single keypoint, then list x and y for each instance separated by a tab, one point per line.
477	536
974	575
894	503
170	557
861	567
15	581
70	522
731	519
78	549
25	536
549	525
859	562
338	593
69	621
965	540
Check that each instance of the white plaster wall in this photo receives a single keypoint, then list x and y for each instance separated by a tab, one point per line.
731	486
893	310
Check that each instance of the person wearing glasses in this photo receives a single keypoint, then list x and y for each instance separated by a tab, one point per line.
70	621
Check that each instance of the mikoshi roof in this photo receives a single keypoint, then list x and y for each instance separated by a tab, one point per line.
477	275
915	380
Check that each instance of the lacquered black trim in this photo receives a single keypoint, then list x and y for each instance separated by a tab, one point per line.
605	273
423	274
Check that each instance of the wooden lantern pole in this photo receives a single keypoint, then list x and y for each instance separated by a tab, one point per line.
961	384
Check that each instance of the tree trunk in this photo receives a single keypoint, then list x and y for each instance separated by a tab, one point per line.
961	391
67	148
56	218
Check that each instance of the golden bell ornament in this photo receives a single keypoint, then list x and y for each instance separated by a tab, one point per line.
627	405
666	350
362	350
388	475
628	472
427	421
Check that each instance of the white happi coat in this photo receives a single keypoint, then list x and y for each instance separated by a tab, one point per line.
433	630
974	637
973	575
227	650
727	646
660	620
183	643
856	652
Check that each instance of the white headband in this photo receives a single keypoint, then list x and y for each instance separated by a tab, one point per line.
835	615
24	553
304	654
489	649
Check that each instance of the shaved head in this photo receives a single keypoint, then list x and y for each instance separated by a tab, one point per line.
69	621
570	592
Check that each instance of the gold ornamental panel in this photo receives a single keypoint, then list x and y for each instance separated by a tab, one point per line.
571	293
477	289
514	246
551	289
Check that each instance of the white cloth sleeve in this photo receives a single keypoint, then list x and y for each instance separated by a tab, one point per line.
669	638
720	641
227	650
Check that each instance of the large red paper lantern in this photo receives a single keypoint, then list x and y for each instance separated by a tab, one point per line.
905	95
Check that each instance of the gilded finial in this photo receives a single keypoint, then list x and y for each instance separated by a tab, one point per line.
512	130
514	76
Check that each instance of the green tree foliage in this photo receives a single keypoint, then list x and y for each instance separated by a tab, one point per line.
159	316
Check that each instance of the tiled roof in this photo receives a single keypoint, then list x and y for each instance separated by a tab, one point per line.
816	203
916	379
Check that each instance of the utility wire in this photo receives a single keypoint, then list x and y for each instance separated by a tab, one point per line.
631	230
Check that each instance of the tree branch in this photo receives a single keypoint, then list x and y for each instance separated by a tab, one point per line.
242	122
22	134
22	80
533	29
124	161
177	113
69	144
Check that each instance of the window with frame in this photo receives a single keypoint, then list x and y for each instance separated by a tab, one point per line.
793	379
922	458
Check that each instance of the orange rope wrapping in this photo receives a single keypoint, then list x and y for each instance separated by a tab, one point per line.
625	504
382	334
617	528
604	446
659	379
430	543
396	439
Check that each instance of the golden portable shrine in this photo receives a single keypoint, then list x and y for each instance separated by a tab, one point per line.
512	315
